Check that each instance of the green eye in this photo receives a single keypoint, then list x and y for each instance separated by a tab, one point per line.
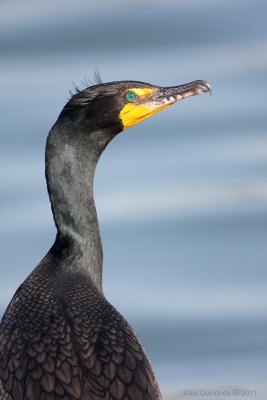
130	97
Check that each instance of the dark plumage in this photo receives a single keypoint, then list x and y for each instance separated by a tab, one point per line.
60	338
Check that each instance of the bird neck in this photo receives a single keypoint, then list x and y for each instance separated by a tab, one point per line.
71	161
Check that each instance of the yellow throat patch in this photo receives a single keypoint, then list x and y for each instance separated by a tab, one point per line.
137	111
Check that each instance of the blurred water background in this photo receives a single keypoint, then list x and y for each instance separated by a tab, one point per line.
181	198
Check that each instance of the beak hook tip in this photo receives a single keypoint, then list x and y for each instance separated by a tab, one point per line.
207	86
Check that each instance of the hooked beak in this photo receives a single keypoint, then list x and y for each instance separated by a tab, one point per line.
169	95
157	99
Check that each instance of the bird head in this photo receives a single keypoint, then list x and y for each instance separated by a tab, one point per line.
116	106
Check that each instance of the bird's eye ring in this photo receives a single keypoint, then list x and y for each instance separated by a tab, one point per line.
130	97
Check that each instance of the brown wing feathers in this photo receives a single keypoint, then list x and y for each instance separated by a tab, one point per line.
75	348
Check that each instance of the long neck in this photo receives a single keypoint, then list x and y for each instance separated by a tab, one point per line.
71	160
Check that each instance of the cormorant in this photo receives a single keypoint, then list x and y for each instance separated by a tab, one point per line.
60	338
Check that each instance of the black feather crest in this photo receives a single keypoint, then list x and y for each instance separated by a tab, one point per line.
85	83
